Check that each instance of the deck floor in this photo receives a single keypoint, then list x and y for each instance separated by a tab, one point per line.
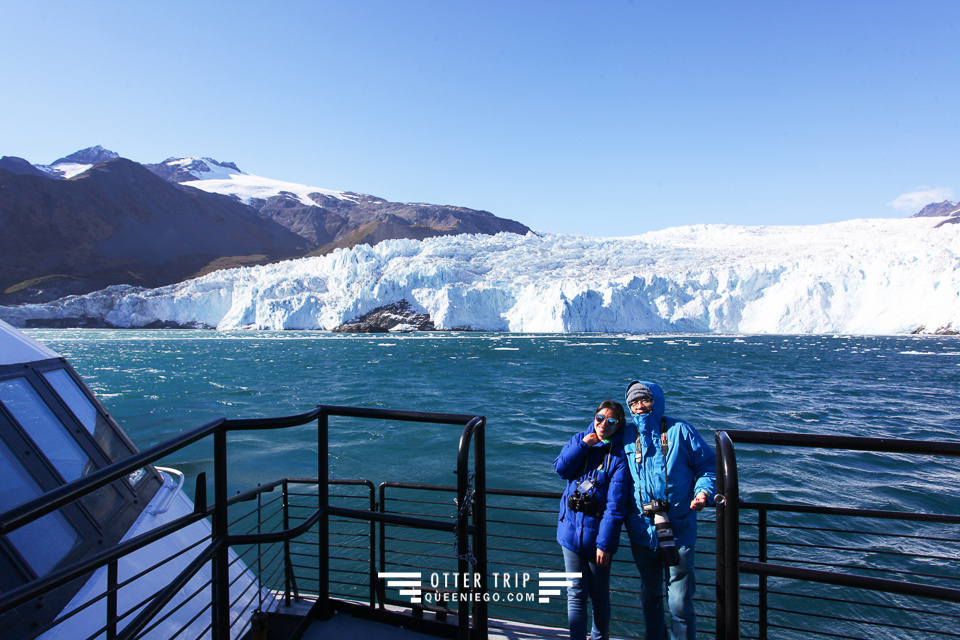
343	625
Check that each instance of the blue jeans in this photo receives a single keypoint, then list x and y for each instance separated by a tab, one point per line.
680	586
595	582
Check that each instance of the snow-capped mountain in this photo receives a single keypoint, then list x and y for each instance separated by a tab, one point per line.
151	225
885	276
945	209
78	162
328	218
226	178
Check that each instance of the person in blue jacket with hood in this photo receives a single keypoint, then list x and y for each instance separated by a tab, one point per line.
591	512
674	475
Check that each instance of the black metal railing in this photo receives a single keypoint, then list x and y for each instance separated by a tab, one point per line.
781	569
215	552
818	570
522	529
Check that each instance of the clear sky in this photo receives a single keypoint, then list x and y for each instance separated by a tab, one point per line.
595	117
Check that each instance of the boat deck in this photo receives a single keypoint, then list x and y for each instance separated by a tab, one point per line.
343	625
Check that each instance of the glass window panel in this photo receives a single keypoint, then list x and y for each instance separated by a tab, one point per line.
43	427
81	406
70	393
44	542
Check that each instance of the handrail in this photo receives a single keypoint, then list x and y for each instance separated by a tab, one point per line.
25	593
728	540
159	601
942	518
847	580
52	500
729	504
853	443
278	536
173	492
221	540
473	429
29	511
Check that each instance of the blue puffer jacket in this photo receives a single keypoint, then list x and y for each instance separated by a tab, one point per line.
690	468
605	467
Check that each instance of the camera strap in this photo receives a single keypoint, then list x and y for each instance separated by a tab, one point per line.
664	447
664	444
603	466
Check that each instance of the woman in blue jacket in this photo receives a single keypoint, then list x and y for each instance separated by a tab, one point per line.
591	512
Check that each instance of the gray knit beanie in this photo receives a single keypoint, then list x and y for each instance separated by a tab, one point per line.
638	391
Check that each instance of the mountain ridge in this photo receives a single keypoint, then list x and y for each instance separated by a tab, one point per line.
118	223
93	219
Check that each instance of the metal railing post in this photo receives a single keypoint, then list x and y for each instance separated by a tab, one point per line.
220	565
285	518
323	504
382	538
728	540
112	588
762	552
373	548
480	523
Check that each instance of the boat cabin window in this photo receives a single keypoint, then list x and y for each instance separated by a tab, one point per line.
42	543
70	393
43	427
85	411
52	432
58	439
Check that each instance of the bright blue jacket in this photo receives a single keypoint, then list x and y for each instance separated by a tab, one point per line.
605	466
690	464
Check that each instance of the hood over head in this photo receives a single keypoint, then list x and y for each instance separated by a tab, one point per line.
659	404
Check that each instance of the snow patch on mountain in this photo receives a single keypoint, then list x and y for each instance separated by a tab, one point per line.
882	276
78	162
227	179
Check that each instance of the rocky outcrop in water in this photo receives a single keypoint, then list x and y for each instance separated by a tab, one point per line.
946	330
396	318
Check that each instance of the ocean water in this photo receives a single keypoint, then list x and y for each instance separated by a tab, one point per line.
535	391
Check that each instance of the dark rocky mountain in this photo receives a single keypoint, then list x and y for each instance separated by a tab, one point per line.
90	155
948	209
14	164
179	172
332	222
338	223
939	209
119	223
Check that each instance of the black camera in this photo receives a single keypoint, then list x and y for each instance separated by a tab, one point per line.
657	509
655	506
583	503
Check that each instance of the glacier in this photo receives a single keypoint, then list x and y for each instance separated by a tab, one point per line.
874	276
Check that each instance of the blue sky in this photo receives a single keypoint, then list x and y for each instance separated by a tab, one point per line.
603	117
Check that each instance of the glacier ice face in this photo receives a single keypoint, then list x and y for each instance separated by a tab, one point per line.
882	276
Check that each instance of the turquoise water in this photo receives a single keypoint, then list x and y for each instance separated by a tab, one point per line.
536	390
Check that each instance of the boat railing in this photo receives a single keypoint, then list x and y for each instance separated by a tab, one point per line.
522	546
784	568
805	570
140	619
